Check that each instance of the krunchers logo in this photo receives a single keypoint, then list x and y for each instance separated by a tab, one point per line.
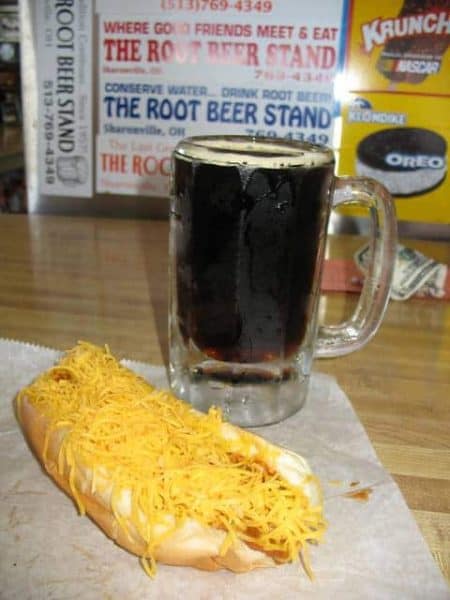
378	31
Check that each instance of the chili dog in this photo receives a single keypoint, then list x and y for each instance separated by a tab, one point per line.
162	480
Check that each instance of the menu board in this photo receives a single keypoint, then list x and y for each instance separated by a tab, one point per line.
175	68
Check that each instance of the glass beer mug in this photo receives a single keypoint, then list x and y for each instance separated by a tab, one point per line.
248	226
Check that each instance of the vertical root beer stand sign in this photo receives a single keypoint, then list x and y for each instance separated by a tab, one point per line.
64	70
166	69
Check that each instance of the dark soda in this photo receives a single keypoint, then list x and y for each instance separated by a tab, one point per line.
248	245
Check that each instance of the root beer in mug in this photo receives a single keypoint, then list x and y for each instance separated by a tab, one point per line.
248	228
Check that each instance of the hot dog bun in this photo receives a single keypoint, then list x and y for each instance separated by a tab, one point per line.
163	529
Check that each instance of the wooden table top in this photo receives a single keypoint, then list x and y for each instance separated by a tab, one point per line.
64	279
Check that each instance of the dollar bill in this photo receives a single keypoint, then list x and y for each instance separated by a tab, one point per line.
413	273
434	287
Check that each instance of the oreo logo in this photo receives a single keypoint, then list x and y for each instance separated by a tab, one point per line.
414	161
407	160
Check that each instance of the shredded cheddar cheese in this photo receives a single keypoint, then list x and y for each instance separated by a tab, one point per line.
160	463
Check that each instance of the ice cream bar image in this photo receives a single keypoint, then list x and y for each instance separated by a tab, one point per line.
409	161
416	41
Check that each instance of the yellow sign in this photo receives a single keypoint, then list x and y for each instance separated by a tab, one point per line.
395	103
402	142
399	46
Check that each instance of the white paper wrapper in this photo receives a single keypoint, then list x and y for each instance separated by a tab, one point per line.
371	550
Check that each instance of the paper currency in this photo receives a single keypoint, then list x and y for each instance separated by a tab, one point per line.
434	287
414	273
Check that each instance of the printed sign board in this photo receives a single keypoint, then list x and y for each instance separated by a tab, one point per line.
396	103
65	128
170	69
119	83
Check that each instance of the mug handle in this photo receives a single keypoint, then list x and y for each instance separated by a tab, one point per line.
351	335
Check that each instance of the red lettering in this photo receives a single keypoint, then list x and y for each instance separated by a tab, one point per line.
233	53
126	27
173	52
150	165
168	28
113	163
164	166
122	50
275	31
298	56
325	33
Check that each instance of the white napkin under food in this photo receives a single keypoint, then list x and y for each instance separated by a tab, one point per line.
372	549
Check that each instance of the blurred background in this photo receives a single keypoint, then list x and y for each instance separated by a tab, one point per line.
125	83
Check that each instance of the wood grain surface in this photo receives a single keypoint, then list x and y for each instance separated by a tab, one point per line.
63	279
